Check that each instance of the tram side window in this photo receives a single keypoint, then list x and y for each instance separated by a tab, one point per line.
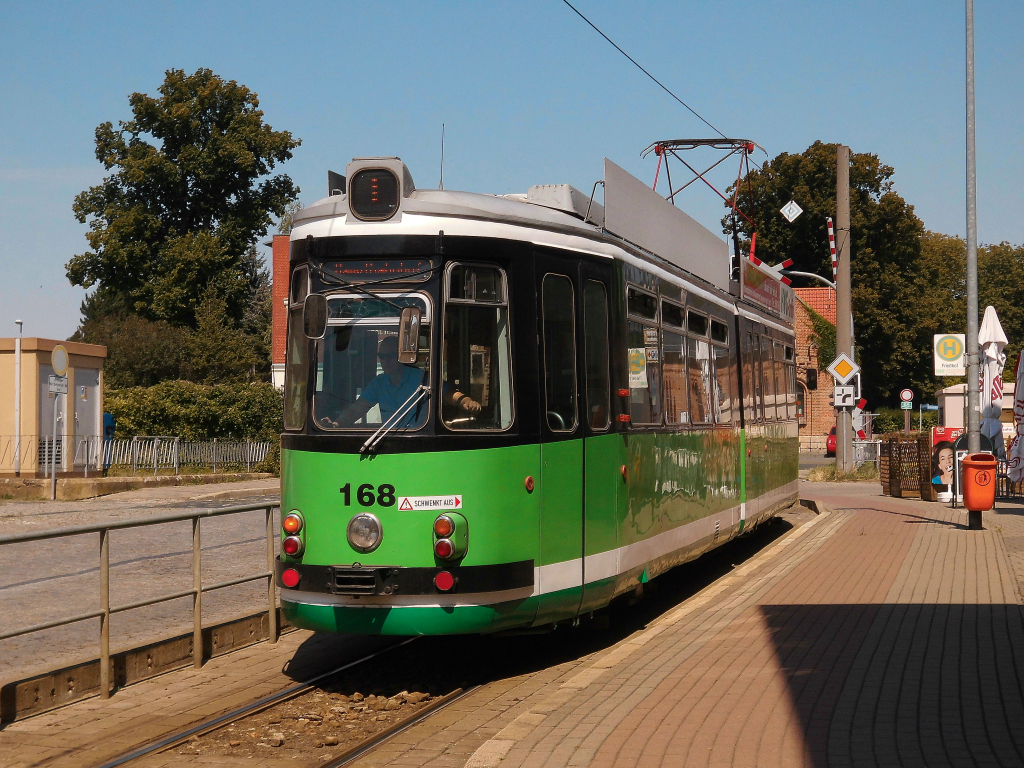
781	383
751	396
791	385
699	377
595	337
644	374
559	353
767	379
723	395
476	369
674	367
296	372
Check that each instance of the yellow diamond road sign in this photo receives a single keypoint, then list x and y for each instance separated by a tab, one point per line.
843	369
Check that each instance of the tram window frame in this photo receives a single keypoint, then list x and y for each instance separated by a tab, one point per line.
751	389
724	409
722	337
297	356
502	303
547	350
602	347
696	324
294	286
770	412
632	292
668	310
675	382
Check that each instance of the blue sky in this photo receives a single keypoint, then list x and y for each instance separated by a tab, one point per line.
529	94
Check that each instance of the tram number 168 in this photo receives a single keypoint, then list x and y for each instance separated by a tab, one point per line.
385	496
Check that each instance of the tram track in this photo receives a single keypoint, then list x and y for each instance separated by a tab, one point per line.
208	726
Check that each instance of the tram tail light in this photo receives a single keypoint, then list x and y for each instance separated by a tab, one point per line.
451	534
292	522
290	578
444	581
443	526
444	548
292	546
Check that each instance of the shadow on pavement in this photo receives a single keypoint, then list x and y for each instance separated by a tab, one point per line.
923	685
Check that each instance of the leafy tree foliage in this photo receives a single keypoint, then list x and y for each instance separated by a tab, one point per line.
943	290
140	352
198	412
886	249
190	193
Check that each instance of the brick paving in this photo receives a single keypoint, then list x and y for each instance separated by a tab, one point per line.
881	632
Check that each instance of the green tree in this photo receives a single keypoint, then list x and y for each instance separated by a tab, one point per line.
886	248
190	192
140	352
218	350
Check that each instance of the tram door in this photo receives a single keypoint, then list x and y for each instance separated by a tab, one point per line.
561	446
602	450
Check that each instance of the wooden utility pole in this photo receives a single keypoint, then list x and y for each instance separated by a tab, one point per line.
844	330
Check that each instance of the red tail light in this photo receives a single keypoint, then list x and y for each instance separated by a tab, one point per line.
444	581
292	546
444	549
290	578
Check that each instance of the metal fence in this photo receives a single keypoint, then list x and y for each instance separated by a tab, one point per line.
1006	489
145	453
91	453
196	592
867	452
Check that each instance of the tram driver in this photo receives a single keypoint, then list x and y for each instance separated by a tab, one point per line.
392	388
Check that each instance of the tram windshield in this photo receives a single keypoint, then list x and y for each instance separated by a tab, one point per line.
359	382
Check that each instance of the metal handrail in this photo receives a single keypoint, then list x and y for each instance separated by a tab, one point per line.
196	592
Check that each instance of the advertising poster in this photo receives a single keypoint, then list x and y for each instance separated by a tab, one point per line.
637	368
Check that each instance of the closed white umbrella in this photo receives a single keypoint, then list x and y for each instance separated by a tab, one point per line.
1015	459
992	340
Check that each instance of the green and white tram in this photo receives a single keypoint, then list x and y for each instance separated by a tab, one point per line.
504	411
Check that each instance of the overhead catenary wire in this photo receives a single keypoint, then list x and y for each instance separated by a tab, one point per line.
656	80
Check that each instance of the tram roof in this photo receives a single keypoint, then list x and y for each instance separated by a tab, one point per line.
632	212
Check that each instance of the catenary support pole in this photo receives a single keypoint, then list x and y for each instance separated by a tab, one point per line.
973	378
844	330
17	401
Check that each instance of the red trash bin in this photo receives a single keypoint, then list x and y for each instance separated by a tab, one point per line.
979	474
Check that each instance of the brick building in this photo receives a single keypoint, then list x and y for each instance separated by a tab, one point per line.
816	415
279	316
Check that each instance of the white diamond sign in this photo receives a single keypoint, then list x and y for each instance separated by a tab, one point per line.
791	210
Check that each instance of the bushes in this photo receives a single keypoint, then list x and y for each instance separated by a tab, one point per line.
198	411
891	420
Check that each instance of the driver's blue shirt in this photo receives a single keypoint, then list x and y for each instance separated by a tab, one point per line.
390	398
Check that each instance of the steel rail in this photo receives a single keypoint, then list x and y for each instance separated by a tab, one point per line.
371	743
167	742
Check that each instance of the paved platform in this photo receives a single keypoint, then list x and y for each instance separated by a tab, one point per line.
881	632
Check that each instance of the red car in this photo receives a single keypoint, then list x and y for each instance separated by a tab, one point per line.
830	443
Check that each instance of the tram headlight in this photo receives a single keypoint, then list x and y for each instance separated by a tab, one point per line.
365	532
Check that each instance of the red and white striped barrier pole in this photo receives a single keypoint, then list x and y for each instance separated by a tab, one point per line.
832	247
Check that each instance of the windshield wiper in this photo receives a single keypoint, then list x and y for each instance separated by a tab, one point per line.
421	391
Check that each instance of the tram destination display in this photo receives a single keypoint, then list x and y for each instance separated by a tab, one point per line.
361	270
